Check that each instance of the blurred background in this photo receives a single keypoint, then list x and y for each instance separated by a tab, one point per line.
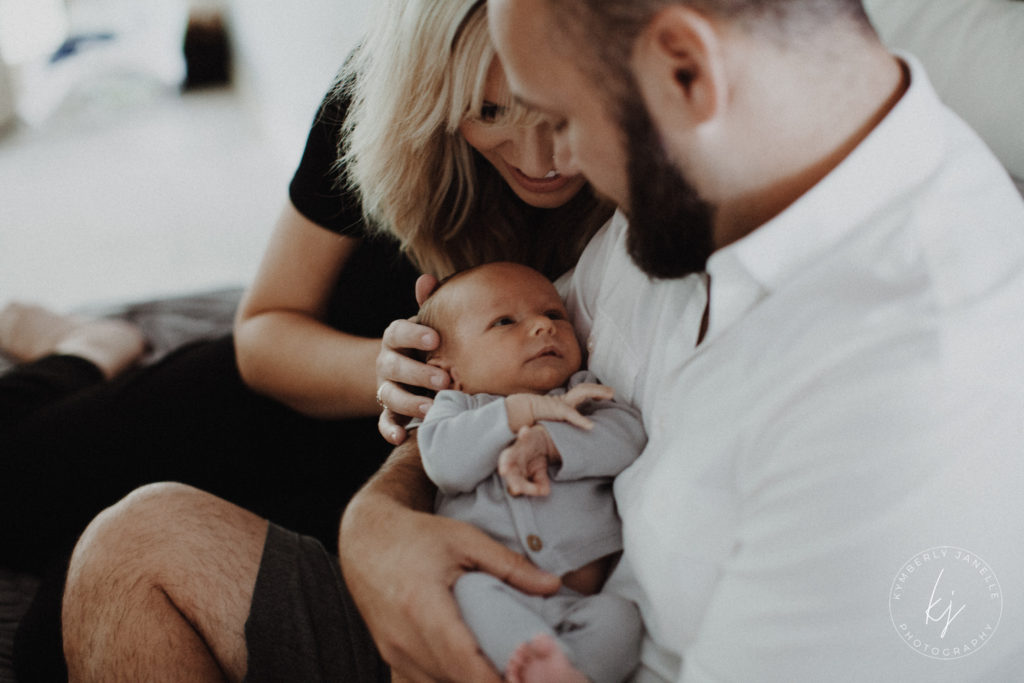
146	145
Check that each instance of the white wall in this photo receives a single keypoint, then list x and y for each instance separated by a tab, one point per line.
287	54
169	194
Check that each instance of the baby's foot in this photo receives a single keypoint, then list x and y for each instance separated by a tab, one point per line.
111	345
29	332
541	661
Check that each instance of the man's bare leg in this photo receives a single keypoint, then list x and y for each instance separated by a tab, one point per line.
159	589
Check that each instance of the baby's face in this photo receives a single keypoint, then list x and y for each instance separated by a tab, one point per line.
509	333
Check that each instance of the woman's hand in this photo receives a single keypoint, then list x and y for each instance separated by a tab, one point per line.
396	370
400	565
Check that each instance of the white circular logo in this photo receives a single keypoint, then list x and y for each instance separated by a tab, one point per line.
945	602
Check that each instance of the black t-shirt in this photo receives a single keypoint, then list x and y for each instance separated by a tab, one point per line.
376	284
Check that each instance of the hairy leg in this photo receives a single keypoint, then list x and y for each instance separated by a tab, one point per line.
159	589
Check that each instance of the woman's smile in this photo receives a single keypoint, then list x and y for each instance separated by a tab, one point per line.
552	182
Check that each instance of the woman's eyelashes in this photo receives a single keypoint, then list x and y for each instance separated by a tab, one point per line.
491	112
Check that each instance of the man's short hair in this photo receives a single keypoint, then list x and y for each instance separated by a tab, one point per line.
608	29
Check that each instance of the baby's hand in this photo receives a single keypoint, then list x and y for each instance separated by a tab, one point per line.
525	410
587	391
524	464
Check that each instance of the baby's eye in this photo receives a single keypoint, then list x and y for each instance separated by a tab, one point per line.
501	322
555	315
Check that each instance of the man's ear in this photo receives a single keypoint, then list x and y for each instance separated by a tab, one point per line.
679	66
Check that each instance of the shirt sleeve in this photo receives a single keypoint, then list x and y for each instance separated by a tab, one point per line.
461	438
611	446
316	189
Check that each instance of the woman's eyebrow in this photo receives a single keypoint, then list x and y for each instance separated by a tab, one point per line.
532	106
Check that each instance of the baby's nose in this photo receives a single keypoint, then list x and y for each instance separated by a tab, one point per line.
543	325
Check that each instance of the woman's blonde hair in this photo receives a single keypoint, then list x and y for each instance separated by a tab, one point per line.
416	77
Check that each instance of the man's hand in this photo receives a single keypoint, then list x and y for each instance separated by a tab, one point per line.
524	464
400	564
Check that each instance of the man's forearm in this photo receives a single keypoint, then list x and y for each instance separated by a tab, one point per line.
402	478
399	481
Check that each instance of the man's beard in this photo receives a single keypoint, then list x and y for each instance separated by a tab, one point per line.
670	226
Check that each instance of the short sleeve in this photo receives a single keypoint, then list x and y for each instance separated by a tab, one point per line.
316	190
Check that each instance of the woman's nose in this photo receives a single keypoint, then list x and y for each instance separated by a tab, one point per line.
535	150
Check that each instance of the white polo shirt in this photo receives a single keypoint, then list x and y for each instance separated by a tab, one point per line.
842	458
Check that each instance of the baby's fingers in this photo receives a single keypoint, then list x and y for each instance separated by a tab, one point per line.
512	471
525	487
588	391
573	417
518	485
540	484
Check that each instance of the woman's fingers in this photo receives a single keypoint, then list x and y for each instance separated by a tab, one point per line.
391	428
396	371
425	285
400	369
401	401
394	363
405	334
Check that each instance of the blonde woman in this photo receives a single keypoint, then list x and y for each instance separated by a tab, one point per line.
420	141
437	157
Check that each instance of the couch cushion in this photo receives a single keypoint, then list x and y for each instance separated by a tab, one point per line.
974	53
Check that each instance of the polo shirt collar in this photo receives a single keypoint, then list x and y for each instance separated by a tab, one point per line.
878	172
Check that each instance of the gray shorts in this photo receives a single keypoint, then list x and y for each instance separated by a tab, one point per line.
303	624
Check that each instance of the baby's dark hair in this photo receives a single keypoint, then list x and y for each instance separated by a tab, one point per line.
431	312
435	314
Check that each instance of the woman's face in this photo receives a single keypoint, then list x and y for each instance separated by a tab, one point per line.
524	156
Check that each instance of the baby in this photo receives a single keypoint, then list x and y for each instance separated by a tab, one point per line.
525	447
